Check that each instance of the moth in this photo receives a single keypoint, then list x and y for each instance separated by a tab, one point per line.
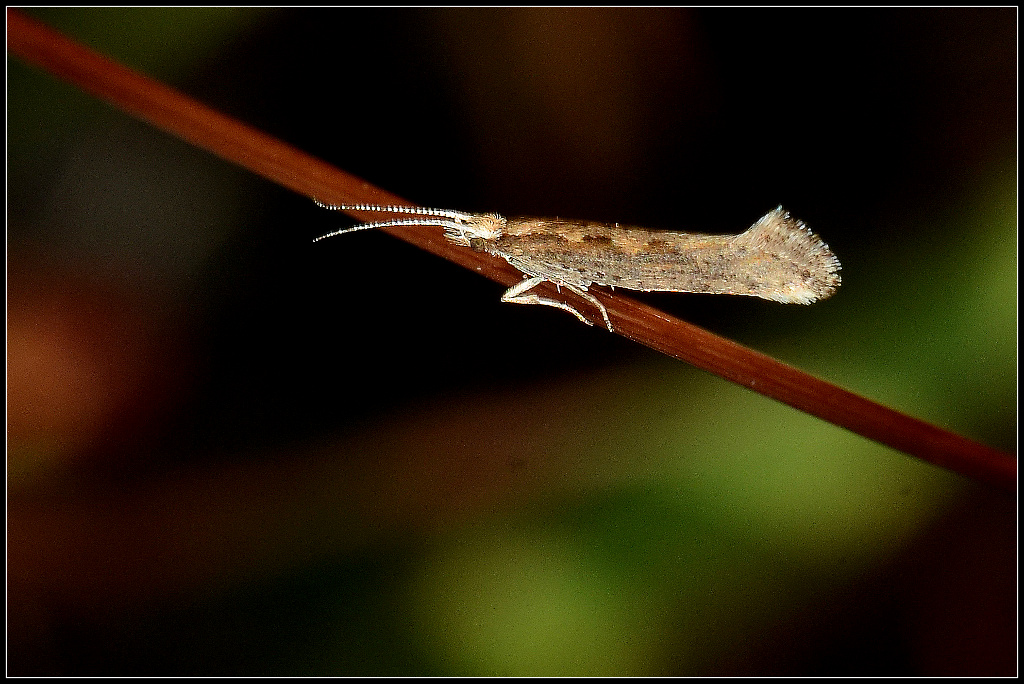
778	258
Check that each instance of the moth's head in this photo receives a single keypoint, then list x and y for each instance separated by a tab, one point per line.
487	227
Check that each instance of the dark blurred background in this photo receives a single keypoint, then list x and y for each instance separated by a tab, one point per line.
232	452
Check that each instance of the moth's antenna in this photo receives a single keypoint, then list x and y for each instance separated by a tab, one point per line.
449	219
420	211
444	223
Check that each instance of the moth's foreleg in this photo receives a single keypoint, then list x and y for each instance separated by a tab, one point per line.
516	295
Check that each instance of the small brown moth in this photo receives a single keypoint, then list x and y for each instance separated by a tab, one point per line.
777	258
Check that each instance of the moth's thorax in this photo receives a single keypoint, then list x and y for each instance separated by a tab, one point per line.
476	228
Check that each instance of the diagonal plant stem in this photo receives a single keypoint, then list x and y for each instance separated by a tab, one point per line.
250	148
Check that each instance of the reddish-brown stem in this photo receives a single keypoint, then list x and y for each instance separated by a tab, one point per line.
182	116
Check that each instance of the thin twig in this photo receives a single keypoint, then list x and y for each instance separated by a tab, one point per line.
250	148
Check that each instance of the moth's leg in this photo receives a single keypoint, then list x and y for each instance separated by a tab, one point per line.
514	295
593	300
